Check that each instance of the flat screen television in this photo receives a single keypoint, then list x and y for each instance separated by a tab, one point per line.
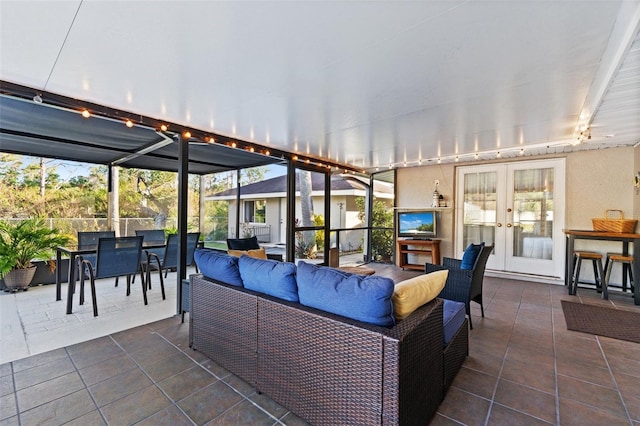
417	224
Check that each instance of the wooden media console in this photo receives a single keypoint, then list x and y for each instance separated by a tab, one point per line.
408	247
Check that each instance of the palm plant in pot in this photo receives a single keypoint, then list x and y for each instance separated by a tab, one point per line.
22	242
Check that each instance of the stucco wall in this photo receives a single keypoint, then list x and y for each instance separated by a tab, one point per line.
598	180
414	189
595	180
636	197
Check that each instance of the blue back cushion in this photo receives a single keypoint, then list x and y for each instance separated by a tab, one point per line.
366	299
270	277
470	254
219	266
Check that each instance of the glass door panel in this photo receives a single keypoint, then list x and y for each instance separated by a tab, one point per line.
480	207
518	206
533	213
535	217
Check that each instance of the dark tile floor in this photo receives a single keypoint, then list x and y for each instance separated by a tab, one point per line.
524	368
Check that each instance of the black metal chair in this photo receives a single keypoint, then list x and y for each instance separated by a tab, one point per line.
90	239
115	257
192	243
152	236
463	285
250	243
169	259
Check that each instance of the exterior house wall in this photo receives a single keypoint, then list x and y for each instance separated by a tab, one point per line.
232	219
275	217
595	180
347	239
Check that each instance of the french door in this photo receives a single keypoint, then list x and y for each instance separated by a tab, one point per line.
518	206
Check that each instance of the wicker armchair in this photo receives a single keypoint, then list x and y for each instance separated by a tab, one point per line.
463	285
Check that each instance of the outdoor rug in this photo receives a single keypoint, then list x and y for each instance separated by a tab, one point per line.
603	321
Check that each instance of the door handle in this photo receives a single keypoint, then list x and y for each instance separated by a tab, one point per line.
509	225
499	225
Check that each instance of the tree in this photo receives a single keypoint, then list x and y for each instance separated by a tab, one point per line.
382	220
252	175
306	244
34	188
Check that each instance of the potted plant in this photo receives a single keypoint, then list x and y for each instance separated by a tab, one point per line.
22	242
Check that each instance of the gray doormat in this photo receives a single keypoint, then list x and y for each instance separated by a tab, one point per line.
602	321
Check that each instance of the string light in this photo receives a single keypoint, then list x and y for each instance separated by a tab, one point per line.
156	125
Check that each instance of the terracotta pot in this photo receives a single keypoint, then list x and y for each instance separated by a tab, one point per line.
19	279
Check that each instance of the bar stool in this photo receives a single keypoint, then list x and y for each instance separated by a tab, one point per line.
626	262
598	272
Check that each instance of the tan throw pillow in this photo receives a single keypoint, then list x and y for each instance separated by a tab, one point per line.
257	253
409	295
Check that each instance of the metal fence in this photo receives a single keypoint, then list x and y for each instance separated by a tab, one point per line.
127	226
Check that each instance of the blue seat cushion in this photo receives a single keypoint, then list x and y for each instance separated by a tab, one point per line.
270	277
218	266
470	254
453	318
363	298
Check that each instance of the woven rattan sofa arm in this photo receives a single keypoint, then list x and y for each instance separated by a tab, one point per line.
413	368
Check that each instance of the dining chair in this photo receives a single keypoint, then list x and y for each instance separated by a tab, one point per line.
169	259
115	257
152	236
250	243
90	239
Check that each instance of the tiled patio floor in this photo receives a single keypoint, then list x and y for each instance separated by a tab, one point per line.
524	368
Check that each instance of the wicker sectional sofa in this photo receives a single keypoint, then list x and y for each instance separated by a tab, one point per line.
326	368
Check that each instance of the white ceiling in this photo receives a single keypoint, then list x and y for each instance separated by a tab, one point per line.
368	83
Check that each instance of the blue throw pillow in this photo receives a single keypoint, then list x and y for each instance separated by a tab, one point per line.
366	299
270	277
218	266
470	254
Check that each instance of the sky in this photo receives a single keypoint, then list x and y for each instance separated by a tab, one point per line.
68	169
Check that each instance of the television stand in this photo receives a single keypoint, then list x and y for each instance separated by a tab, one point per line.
408	247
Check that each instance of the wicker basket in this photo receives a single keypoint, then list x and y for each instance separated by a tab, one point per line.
617	224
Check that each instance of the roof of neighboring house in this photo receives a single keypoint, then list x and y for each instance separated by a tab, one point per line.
279	185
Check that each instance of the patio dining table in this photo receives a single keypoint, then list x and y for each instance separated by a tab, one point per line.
73	251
